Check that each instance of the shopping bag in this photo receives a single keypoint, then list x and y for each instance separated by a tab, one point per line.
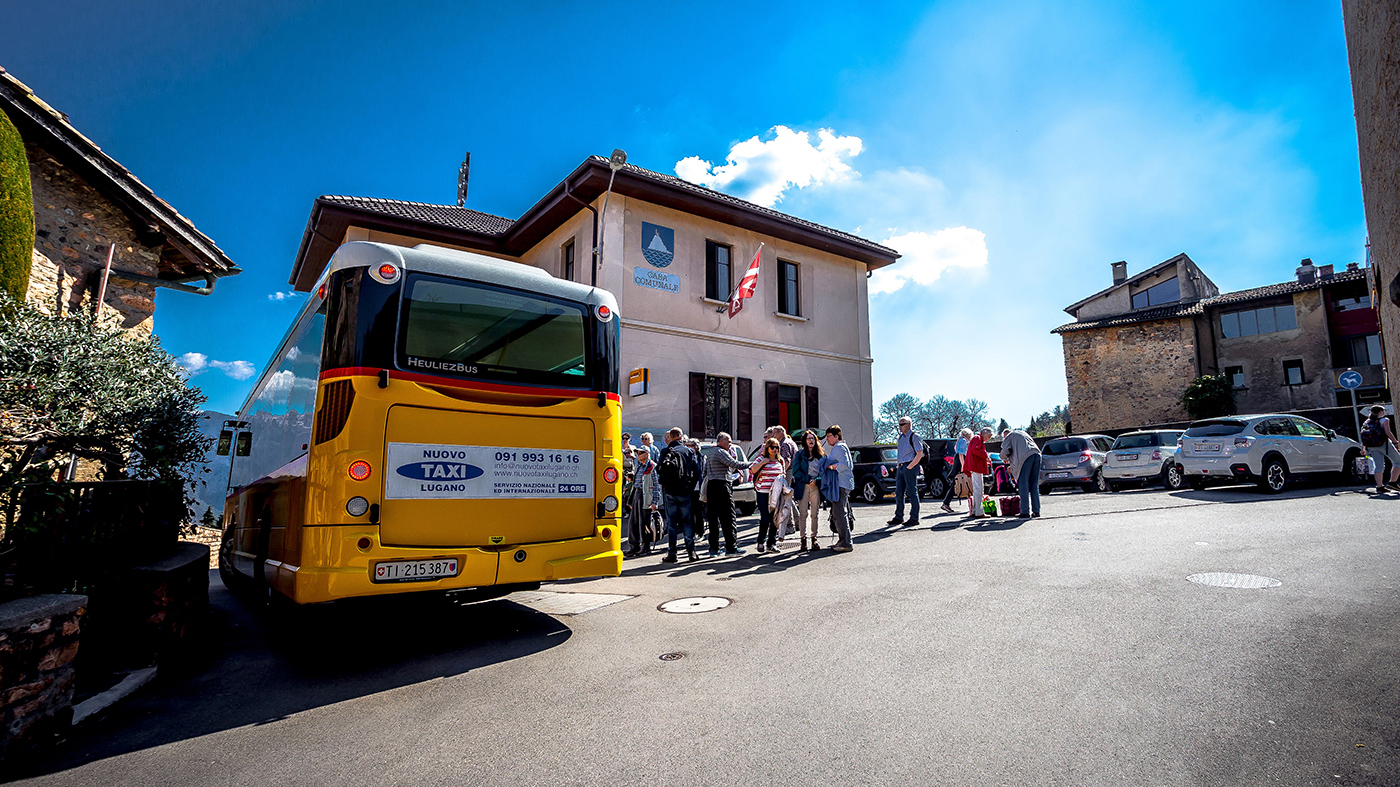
1010	505
989	506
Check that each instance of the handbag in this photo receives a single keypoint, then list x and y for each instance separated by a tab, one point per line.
656	526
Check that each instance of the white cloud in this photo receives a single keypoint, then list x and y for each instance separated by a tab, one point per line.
926	256
762	172
278	297
238	370
280	382
194	363
198	363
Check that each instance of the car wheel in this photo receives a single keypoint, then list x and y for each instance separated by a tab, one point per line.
870	491
1275	476
1173	478
1097	484
937	488
746	509
1349	472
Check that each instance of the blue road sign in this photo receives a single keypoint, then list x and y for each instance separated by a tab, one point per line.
1350	380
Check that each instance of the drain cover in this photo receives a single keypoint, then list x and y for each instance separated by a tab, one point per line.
1242	581
672	656
684	606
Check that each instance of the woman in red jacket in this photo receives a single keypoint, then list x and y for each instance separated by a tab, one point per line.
978	465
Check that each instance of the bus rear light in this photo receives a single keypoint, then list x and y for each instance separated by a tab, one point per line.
321	291
357	506
609	504
606	533
604	313
360	470
610	475
336	400
364	544
384	273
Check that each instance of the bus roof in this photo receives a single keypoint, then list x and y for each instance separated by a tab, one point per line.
426	258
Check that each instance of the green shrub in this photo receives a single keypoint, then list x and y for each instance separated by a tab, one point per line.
1209	397
16	212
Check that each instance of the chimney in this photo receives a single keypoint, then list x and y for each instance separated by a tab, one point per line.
1353	267
462	172
1120	272
1307	274
1324	272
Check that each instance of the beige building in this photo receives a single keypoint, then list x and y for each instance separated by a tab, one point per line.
797	354
1373	47
85	203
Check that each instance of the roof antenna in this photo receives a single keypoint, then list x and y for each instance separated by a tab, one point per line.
463	171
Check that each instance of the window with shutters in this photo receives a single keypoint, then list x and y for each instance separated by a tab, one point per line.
568	262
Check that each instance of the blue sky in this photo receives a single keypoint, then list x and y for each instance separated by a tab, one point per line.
1012	150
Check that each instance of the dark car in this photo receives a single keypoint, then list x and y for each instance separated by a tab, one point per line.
875	467
938	466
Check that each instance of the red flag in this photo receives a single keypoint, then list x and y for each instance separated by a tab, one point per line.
747	285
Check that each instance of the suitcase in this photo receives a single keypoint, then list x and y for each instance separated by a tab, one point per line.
1010	506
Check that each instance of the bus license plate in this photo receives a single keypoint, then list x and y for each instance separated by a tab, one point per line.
414	570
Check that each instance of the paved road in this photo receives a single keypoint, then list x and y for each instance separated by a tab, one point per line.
1069	650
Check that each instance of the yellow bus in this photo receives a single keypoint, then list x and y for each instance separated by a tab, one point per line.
433	420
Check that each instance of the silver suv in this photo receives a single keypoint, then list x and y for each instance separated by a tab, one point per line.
1074	461
1144	457
1265	449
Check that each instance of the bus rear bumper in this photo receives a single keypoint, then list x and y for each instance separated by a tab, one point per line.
595	556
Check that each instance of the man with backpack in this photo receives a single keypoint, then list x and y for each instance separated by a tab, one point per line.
1379	440
679	471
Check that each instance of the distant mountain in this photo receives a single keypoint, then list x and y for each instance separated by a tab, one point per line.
209	490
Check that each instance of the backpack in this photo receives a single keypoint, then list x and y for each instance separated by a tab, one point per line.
677	471
1372	435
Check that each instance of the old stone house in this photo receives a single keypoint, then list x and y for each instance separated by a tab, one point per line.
1135	346
84	203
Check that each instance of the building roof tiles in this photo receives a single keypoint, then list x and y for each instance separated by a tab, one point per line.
444	215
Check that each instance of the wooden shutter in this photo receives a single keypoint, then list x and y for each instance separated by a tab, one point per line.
813	421
743	409
770	403
697	403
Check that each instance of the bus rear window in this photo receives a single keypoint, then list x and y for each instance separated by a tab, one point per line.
1218	428
473	330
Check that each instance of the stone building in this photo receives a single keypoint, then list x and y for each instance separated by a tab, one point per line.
1135	346
85	203
798	354
1373	47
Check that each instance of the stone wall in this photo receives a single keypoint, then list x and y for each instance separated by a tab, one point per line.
1262	357
38	642
74	226
1126	376
1373	47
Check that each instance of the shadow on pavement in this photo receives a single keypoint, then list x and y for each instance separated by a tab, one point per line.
257	667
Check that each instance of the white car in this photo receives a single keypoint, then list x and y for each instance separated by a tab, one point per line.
1265	449
1144	457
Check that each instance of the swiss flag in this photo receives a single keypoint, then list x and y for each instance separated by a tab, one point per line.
747	285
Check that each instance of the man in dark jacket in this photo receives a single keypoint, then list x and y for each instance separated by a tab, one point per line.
679	470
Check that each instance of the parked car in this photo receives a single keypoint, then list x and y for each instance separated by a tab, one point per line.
1074	461
745	498
1267	450
937	467
1144	457
875	467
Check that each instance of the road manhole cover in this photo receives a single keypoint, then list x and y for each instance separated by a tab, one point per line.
672	656
685	606
1220	579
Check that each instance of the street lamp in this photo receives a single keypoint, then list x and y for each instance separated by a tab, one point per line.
616	161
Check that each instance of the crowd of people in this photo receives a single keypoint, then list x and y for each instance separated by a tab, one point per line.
676	493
